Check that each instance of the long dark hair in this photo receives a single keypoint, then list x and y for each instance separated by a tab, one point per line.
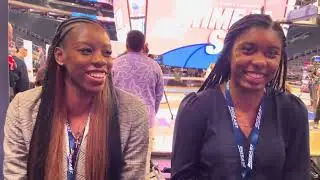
47	144
221	72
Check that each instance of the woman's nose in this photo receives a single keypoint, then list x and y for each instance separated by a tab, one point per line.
259	60
100	58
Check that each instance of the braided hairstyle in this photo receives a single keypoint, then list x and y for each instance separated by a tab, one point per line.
47	144
221	72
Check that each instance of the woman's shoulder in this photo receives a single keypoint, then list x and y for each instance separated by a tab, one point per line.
23	110
128	101
291	109
34	92
290	101
203	100
133	117
131	108
27	98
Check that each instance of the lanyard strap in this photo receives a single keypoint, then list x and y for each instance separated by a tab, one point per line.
246	168
73	149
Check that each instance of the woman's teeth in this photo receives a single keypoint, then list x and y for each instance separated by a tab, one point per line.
255	75
98	75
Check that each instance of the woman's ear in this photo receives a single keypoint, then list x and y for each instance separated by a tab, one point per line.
59	56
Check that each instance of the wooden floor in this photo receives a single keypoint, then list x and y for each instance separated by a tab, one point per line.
314	141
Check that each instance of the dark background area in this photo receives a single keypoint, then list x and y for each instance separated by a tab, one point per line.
40	27
303	40
303	43
4	87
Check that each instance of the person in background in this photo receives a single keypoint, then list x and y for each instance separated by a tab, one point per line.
146	49
135	73
315	79
42	69
316	99
310	86
21	53
18	74
42	57
140	75
317	116
242	124
11	44
77	125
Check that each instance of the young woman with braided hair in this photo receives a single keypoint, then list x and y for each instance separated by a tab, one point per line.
242	124
77	126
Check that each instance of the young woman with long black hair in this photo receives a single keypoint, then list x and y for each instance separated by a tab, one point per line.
77	125
242	124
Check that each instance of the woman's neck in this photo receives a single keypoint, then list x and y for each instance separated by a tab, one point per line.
245	100
78	102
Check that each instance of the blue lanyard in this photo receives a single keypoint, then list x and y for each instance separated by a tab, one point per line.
246	168
73	152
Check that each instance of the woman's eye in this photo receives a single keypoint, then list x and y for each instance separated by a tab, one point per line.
86	51
248	49
107	53
272	54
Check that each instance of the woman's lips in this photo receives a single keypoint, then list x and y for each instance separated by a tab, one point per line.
255	78
255	75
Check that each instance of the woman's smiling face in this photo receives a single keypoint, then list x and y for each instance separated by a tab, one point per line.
255	59
86	54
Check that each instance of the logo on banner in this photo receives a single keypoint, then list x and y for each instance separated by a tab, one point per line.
220	20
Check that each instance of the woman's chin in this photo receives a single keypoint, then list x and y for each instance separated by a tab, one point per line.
94	89
253	87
